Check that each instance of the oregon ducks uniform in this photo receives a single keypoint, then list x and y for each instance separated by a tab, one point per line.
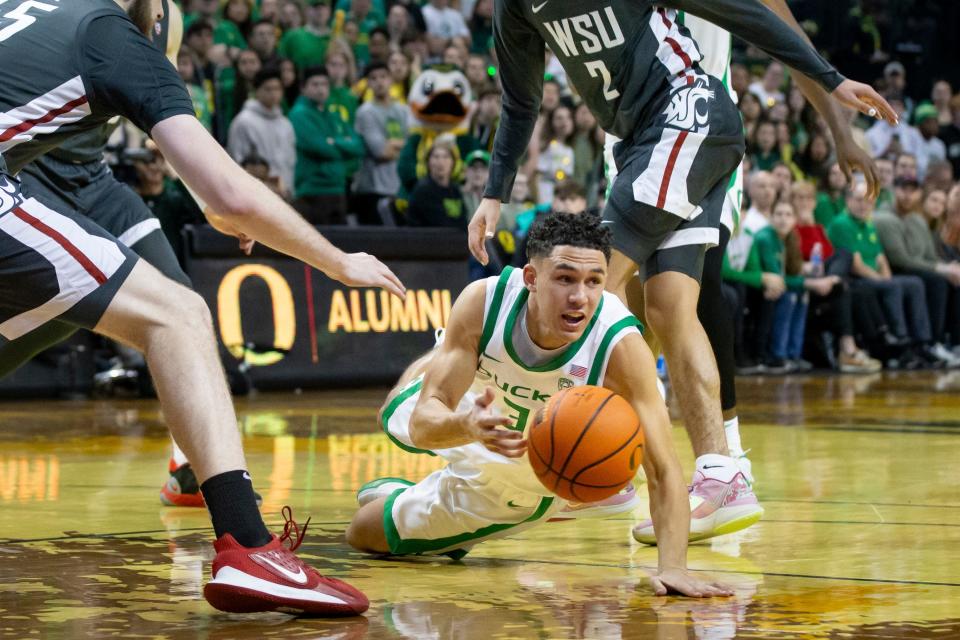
67	68
715	44
639	72
481	494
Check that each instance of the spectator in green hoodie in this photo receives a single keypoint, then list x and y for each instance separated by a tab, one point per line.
324	145
307	46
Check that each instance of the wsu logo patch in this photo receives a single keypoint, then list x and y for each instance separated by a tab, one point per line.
688	108
9	194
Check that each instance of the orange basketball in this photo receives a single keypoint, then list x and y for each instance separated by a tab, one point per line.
586	444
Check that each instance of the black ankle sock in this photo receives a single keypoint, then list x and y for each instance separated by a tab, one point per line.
233	508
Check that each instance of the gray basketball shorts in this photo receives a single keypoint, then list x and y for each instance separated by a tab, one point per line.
54	265
665	205
90	189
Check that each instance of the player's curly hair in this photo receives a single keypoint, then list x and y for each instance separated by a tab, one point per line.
571	229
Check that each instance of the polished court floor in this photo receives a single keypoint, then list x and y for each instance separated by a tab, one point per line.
861	537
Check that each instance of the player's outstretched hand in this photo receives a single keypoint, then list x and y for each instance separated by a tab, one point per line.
364	270
482	226
491	429
864	99
682	582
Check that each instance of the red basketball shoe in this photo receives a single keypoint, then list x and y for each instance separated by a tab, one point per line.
181	489
273	578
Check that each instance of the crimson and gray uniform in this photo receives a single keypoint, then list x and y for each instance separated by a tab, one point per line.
67	68
75	176
637	70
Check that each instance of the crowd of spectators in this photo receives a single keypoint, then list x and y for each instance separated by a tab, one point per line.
311	96
818	270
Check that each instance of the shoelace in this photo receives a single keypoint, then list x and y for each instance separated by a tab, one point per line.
291	527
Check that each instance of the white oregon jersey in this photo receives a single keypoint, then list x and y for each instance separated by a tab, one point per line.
715	45
522	390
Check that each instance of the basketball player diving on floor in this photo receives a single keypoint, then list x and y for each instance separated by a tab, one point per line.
638	71
510	343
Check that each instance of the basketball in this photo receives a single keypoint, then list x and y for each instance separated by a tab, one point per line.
586	444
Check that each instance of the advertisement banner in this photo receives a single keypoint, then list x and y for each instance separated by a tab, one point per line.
282	324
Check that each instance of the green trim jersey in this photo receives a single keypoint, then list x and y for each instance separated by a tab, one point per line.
716	47
520	390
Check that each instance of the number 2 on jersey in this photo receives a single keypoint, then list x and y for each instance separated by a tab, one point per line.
20	18
597	68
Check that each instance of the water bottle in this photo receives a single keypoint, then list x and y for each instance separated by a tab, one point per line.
816	260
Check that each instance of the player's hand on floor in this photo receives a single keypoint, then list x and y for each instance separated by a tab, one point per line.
492	429
482	226
682	582
364	270
866	100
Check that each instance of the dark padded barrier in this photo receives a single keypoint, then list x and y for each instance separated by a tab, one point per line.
65	370
284	325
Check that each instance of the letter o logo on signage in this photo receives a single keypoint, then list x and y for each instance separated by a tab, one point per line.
228	309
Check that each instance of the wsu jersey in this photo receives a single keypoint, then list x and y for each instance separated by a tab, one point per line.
67	67
622	56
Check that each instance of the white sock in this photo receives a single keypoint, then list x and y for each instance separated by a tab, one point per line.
732	429
179	457
718	467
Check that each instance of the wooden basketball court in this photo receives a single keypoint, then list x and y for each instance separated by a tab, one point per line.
861	537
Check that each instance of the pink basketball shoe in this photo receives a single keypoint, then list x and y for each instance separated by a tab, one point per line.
623	502
721	501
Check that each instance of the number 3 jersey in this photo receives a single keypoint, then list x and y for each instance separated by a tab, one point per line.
68	66
520	390
622	57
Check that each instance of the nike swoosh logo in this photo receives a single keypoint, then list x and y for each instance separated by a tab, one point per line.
483	355
300	577
713	466
536	8
511	505
246	476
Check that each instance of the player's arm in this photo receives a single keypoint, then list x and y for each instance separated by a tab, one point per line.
244	206
520	59
437	422
849	154
125	74
631	372
757	24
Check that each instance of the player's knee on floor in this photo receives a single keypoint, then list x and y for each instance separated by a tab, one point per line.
365	532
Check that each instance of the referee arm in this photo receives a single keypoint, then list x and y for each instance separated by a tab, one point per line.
520	58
